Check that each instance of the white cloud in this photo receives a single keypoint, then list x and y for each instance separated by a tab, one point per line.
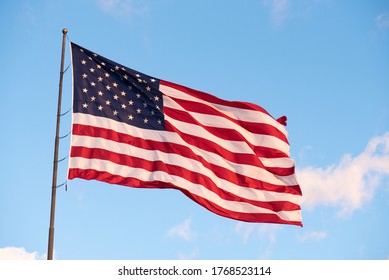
261	231
182	230
279	10
349	184
126	9
268	233
382	21
245	230
19	253
285	10
312	236
265	234
190	256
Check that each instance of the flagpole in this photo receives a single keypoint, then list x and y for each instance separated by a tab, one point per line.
56	146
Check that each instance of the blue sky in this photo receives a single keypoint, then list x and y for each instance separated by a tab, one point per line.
322	63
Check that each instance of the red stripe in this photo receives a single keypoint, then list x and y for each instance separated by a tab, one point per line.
90	174
197	107
211	146
251	159
213	99
223	133
175	170
220	172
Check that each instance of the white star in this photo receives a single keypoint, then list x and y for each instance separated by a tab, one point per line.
145	120
138	111
100	79
83	62
84	105
93	98
125	77
117	68
108	87
85	90
159	122
100	108
131	102
115	113
92	69
107	102
153	80
84	76
124	106
137	75
123	93
145	104
100	93
156	98
103	63
106	75
98	66
138	95
116	97
148	88
115	84
93	84
130	117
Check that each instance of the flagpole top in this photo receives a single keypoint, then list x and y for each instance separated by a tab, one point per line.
64	31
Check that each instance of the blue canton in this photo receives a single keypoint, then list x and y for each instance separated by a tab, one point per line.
107	89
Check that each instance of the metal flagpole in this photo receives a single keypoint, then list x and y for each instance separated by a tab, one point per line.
55	163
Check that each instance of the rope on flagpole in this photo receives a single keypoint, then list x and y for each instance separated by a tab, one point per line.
65	112
62	159
62	137
66	69
64	183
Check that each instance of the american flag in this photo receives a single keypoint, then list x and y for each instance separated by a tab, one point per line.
132	129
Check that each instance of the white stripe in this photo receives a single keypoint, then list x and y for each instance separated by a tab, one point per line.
235	113
187	163
197	189
263	140
277	162
192	129
167	136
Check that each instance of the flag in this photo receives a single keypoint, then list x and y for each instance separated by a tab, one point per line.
135	130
